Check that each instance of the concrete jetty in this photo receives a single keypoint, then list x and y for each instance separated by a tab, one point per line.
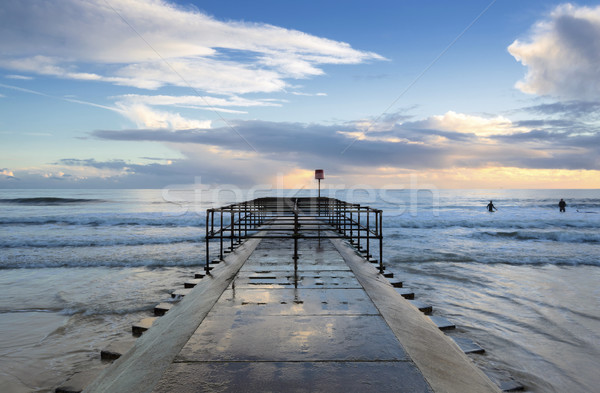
303	314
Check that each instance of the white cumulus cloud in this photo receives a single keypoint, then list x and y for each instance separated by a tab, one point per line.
147	117
470	124
562	54
7	172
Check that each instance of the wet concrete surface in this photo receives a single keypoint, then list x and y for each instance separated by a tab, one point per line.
299	328
302	377
261	323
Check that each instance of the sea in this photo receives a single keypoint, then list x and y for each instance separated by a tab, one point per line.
78	267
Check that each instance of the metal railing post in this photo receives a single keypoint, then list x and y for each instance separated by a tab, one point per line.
368	233
207	243
231	225
221	234
381	241
358	230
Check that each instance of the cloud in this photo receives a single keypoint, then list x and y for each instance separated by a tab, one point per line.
197	102
7	174
569	109
150	44
146	117
453	149
562	54
464	123
297	93
20	77
438	142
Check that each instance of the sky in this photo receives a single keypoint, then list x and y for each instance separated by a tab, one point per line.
386	94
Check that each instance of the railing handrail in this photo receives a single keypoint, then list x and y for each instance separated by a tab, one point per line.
247	218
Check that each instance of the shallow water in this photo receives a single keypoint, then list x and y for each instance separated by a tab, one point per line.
76	272
539	324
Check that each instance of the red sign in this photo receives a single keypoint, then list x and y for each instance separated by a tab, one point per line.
319	174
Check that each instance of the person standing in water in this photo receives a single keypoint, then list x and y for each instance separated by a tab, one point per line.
562	205
491	207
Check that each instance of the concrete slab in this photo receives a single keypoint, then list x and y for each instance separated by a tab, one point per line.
140	327
468	346
162	308
116	350
300	279
302	377
406	293
442	323
191	283
396	283
421	306
180	293
302	301
291	338
511	386
77	382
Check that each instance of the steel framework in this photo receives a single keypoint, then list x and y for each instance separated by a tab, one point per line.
294	218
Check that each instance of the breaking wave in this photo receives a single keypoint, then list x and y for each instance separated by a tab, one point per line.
47	201
97	241
555	236
160	220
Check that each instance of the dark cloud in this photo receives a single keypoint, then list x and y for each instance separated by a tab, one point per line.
408	145
115	164
250	152
304	143
570	109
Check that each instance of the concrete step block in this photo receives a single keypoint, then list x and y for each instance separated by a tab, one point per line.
191	283
423	307
143	325
511	386
396	283
162	308
406	293
467	345
442	323
199	275
181	292
77	382
116	350
388	275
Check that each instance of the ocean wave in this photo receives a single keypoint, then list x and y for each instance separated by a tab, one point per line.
443	223
96	242
39	263
555	236
87	310
47	201
111	220
400	261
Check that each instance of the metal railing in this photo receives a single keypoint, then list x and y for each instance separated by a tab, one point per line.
294	218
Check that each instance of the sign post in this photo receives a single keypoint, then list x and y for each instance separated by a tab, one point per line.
319	175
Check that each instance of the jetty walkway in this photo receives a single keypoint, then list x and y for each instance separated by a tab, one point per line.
293	304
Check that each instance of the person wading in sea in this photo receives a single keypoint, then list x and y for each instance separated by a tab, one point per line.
562	205
491	207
